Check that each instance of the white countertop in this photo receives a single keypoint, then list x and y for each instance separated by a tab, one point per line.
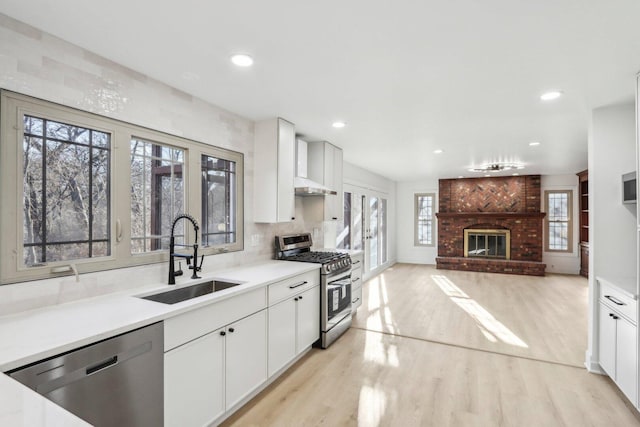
625	284
34	335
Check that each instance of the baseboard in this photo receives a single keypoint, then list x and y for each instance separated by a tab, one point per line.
592	365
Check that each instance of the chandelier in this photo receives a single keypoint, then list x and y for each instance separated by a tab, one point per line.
497	167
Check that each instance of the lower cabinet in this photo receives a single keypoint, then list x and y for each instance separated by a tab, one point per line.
246	358
194	381
294	324
617	349
356	281
209	375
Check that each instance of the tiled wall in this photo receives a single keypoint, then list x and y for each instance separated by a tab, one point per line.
38	64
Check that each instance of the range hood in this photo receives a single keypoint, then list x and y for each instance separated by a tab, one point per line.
307	187
303	185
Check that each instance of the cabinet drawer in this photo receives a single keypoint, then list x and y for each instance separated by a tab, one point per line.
193	324
292	286
618	301
356	298
356	277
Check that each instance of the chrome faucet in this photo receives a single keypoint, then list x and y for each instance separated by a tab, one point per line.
187	257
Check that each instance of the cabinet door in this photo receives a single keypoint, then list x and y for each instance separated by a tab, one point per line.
274	151
246	356
338	203
286	172
607	338
194	382
282	334
626	359
356	298
308	314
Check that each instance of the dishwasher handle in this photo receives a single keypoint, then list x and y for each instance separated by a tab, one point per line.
46	387
102	365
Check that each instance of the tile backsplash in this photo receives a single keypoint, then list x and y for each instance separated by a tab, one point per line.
38	64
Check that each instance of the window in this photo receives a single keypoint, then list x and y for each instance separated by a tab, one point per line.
558	221
70	200
219	222
423	219
65	194
157	194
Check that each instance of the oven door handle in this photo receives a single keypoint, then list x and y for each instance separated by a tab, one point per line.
298	285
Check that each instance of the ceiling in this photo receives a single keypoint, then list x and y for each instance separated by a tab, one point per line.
408	77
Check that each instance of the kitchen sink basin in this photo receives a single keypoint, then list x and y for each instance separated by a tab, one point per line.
182	294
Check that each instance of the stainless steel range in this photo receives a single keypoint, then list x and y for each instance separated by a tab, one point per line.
335	283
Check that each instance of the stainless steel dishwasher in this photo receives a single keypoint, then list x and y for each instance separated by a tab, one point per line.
115	382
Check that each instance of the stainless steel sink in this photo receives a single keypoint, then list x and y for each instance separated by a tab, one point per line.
182	294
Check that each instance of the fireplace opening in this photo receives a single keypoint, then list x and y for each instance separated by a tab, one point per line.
487	243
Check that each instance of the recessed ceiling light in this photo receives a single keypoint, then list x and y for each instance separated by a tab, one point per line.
551	95
438	151
487	176
339	125
515	174
460	176
534	143
242	60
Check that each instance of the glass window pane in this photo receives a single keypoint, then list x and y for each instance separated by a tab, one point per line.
66	192
424	218
219	205
157	194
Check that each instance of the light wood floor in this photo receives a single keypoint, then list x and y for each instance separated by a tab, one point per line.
442	348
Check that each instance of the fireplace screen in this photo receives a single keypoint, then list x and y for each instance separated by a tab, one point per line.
487	244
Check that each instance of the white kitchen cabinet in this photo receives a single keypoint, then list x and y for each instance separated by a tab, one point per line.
617	332
214	357
607	349
274	170
209	375
325	166
356	280
294	323
282	334
307	319
246	357
194	382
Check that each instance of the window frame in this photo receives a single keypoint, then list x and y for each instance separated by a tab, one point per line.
13	106
416	219
569	221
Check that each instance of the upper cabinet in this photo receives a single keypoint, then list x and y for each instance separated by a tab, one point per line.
325	167
273	194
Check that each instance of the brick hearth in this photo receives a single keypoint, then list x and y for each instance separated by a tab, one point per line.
511	203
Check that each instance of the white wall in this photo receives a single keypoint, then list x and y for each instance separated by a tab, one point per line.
569	262
612	232
407	251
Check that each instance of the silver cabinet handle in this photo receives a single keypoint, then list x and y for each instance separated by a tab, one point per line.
614	300
298	285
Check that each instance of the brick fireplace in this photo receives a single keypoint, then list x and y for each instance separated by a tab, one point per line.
487	207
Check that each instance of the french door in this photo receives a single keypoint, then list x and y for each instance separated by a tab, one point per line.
365	227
